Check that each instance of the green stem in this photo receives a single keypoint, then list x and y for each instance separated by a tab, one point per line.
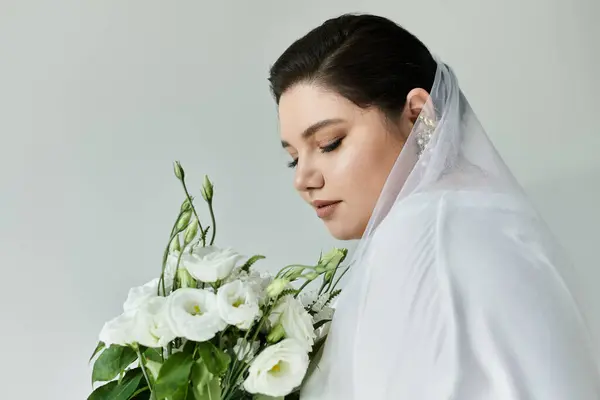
143	367
322	287
213	221
285	269
161	282
331	280
231	373
301	288
177	268
142	390
339	279
189	198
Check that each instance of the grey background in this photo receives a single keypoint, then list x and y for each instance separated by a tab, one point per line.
97	98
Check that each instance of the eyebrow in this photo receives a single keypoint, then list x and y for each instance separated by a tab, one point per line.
314	128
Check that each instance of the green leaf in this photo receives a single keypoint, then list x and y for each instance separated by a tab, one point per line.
204	384
200	377
265	397
333	295
119	391
98	349
104	392
216	360
112	362
153	368
189	347
183	393
288	292
154	355
141	394
174	375
251	261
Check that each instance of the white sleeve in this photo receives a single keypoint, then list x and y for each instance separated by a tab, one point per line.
519	333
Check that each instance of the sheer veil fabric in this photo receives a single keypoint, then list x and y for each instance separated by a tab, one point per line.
454	290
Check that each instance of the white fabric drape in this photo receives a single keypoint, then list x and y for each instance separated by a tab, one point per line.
454	291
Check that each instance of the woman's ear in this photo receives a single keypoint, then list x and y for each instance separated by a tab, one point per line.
415	101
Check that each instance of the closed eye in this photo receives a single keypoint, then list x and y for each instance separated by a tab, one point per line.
332	146
325	149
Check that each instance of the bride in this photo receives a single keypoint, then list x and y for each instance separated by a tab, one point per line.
454	290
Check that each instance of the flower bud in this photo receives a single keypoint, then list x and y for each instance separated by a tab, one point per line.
190	232
175	246
184	220
178	170
185	279
185	206
293	273
329	275
320	269
276	334
333	259
207	189
276	287
311	276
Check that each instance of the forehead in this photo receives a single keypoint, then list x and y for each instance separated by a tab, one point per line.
305	104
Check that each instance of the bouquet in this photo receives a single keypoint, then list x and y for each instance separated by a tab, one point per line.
212	327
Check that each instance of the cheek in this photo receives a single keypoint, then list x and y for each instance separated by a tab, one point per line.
362	169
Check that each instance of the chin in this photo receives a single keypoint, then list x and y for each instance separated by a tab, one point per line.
343	231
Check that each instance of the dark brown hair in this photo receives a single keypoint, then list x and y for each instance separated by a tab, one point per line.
369	60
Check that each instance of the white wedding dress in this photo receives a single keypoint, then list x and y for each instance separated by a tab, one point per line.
454	292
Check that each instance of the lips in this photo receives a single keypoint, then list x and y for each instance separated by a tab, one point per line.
325	208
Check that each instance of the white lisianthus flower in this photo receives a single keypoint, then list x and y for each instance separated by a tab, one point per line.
150	327
308	298
295	320
210	264
258	281
146	325
119	330
238	304
278	369
245	350
140	295
193	314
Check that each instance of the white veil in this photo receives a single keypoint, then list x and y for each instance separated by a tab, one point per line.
362	360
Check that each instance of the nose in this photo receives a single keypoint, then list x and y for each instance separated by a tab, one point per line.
307	177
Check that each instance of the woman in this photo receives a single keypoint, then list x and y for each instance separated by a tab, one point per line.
454	291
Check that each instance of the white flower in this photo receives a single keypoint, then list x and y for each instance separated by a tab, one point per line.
308	298
245	350
151	328
118	330
139	295
210	264
193	314
238	304
278	369
295	320
258	281
146	325
325	313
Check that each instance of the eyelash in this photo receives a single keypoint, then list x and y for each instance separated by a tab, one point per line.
325	149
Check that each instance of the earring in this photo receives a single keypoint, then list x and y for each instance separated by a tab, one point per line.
424	133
